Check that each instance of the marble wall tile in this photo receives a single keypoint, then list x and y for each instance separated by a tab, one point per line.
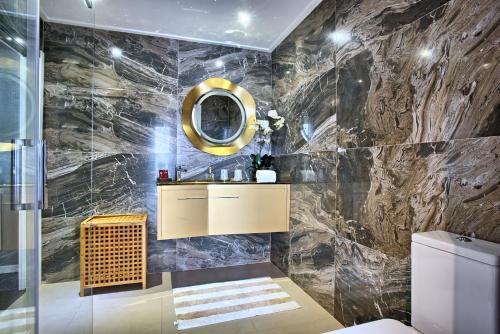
311	262
369	285
386	193
304	84
61	249
67	118
280	251
69	55
222	251
407	85
306	252
68	182
83	57
134	122
126	182
200	172
161	254
84	119
315	167
366	20
246	68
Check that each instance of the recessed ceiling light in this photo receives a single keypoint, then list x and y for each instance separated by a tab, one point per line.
244	18
425	53
340	37
116	52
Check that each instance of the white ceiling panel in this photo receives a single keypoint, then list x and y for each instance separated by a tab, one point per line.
252	24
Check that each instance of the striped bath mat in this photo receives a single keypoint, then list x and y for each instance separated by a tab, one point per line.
209	304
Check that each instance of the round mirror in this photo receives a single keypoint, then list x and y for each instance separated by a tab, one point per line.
219	117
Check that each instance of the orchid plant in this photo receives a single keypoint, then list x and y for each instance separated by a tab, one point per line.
265	129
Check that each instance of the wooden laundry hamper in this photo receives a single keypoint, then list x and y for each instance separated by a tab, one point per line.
113	251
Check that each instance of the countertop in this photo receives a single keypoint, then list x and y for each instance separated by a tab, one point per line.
185	183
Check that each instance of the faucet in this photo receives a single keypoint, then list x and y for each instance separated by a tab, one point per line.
178	173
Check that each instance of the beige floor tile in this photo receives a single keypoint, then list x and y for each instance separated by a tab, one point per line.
152	311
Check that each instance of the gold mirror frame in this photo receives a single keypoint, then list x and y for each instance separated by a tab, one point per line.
241	94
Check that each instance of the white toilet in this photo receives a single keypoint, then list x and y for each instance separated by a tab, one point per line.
455	288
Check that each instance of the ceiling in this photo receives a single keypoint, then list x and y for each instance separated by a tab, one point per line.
252	24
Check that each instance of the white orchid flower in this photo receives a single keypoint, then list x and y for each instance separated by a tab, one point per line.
279	123
273	114
267	131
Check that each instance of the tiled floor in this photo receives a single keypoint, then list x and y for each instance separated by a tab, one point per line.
152	311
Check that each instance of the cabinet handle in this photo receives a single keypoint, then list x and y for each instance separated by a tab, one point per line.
190	198
226	197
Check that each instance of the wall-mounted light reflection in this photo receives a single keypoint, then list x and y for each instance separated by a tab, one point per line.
340	37
244	18
360	81
219	63
425	53
116	52
19	40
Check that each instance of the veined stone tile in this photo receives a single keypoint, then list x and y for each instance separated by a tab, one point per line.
68	182
222	251
410	86
304	84
387	193
369	285
86	57
134	122
61	249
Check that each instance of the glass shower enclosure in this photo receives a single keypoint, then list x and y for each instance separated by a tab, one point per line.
21	165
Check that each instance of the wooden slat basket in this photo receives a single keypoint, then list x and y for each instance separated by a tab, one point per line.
113	251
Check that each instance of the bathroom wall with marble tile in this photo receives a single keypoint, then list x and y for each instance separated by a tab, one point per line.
113	120
415	132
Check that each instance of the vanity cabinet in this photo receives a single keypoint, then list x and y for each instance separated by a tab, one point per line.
182	211
216	209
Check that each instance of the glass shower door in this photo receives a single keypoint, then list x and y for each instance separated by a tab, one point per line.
20	165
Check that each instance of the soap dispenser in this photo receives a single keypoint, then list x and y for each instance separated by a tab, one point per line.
210	177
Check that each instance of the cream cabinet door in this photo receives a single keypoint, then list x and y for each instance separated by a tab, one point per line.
239	209
182	212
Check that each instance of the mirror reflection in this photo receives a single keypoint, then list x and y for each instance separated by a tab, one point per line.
219	117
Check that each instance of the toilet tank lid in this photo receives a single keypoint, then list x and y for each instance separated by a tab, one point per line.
478	250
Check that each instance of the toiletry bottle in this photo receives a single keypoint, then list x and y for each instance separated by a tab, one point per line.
210	176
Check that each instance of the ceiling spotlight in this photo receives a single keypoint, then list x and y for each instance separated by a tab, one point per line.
219	63
88	3
244	18
425	53
116	52
340	37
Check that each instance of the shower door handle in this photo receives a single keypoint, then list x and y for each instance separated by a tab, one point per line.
17	200
42	175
